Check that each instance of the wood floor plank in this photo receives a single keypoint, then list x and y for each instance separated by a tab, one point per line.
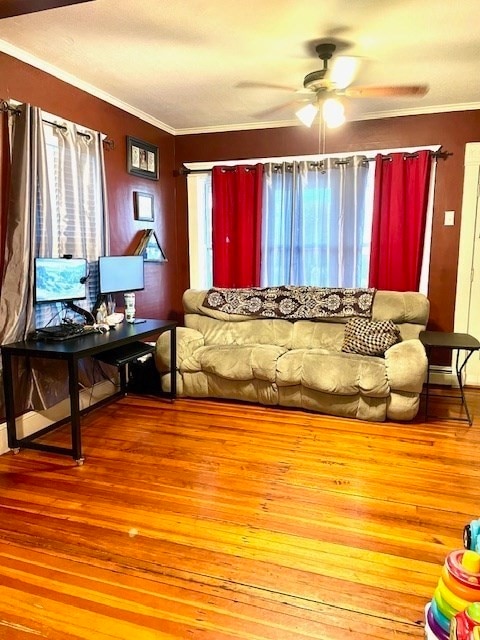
218	520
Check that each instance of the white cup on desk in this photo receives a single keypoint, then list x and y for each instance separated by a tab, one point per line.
129	307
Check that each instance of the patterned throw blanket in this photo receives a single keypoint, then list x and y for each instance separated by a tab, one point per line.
292	302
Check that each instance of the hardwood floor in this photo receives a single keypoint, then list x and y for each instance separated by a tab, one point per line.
203	519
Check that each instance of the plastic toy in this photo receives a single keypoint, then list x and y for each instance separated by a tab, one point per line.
466	625
457	590
471	536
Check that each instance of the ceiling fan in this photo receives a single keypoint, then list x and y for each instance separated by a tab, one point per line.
12	8
325	87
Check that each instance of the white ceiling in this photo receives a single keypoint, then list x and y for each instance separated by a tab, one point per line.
181	63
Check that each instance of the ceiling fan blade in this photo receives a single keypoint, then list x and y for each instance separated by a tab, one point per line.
279	107
386	92
344	70
11	8
263	85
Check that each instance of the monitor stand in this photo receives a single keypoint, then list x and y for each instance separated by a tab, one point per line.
101	299
89	317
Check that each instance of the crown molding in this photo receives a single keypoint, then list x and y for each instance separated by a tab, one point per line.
418	111
223	128
32	60
378	115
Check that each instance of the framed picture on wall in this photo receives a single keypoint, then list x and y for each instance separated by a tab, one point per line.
143	206
142	158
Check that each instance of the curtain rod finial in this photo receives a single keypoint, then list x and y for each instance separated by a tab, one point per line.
5	106
109	144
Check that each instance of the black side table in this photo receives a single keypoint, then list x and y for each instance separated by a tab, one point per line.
453	341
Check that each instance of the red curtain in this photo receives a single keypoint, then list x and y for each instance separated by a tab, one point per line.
236	225
399	216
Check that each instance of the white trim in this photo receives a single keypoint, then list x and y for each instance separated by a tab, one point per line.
427	242
28	58
200	271
197	268
467	235
33	421
468	253
246	126
378	115
418	111
207	166
32	60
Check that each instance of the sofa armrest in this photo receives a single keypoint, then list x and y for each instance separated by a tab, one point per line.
188	340
406	365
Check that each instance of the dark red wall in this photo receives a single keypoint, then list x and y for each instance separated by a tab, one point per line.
22	82
451	130
166	282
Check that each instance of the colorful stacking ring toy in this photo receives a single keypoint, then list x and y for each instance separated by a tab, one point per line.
441	619
435	628
457	588
466	625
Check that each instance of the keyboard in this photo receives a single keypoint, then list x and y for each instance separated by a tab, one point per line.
60	332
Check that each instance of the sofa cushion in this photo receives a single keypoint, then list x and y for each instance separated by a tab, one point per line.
369	338
354	406
208	385
235	362
226	332
334	373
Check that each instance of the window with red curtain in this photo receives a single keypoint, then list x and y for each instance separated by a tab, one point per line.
236	225
399	216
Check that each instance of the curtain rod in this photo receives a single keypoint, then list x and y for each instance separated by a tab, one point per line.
4	106
184	171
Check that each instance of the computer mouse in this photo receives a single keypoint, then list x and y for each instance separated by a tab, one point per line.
102	328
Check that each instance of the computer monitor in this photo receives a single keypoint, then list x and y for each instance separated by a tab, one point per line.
60	279
121	273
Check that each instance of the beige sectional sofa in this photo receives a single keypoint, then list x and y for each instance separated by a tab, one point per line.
300	363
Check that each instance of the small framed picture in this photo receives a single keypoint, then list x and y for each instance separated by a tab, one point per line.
143	206
142	158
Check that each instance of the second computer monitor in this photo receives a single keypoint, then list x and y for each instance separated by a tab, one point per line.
121	273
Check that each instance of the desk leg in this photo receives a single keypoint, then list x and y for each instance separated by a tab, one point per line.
173	362
75	411
9	402
122	371
427	390
460	382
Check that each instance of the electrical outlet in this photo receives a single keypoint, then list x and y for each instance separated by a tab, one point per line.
449	218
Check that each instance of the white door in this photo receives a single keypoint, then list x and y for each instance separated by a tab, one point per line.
467	306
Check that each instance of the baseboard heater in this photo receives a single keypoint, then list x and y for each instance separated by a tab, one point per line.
443	375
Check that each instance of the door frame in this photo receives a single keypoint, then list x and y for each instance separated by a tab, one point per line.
465	308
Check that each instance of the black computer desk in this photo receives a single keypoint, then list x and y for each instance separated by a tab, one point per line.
72	351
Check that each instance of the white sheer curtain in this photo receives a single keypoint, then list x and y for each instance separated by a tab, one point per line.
57	206
76	225
314	230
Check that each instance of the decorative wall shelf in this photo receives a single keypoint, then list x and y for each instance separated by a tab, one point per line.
149	247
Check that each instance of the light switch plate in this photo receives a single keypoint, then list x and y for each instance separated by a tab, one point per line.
449	218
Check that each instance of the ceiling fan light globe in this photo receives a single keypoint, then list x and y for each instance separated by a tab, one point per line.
334	123
343	71
307	114
333	113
